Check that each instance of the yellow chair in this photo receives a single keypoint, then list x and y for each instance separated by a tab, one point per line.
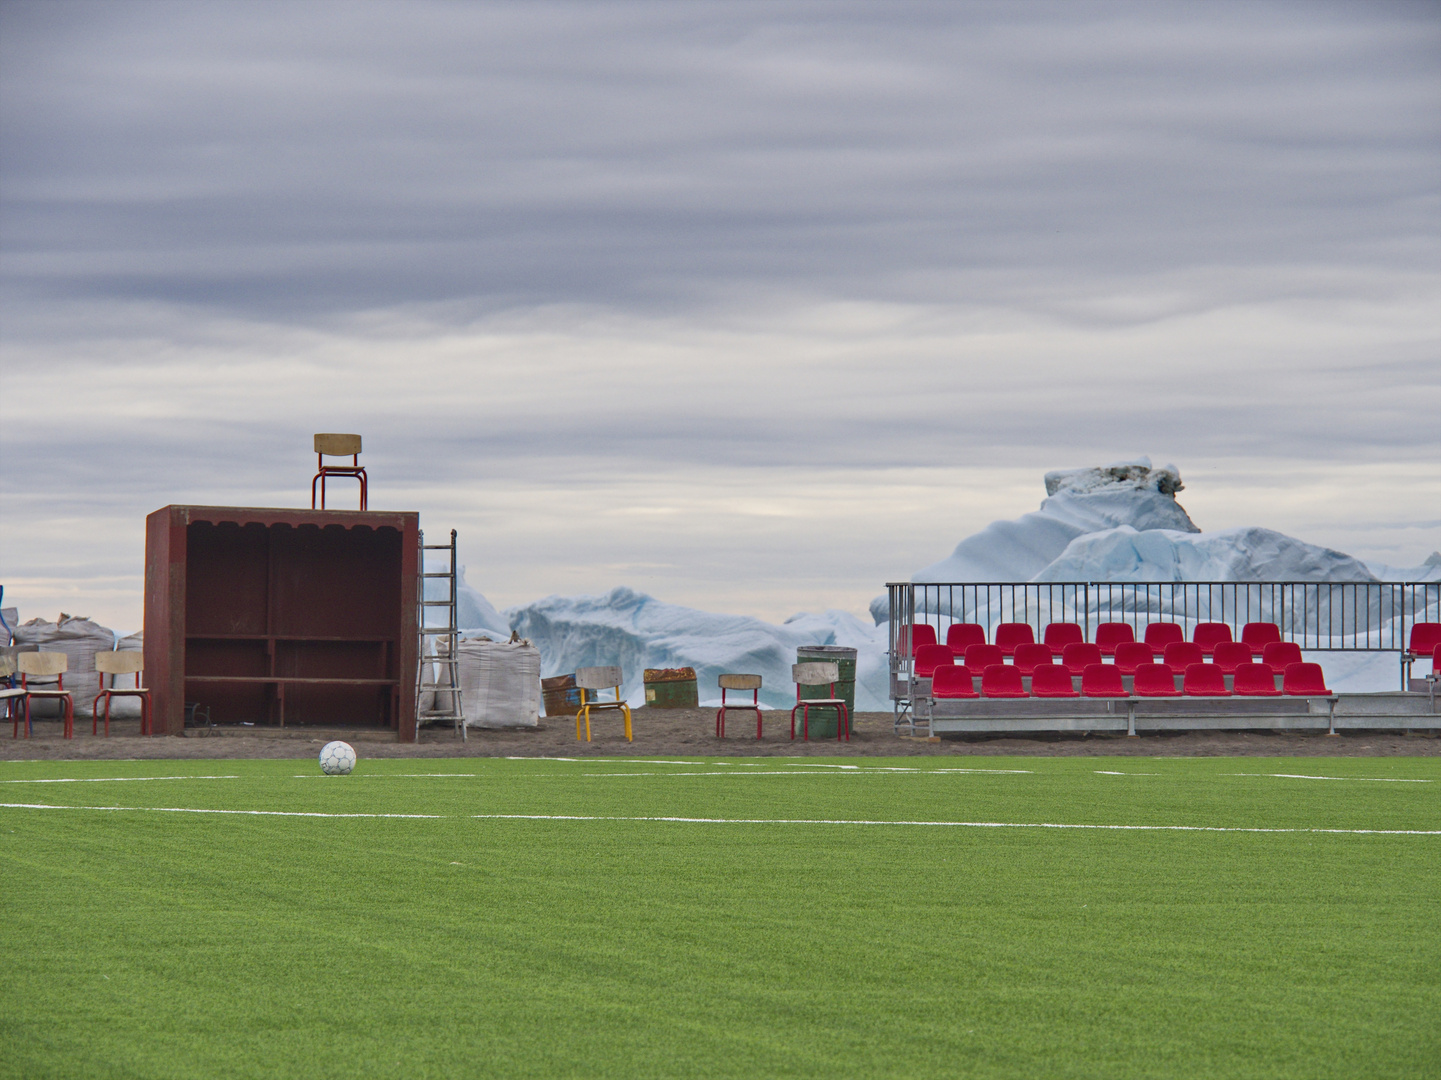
593	680
333	445
47	665
125	662
12	696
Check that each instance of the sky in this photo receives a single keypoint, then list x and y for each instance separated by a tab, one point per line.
750	306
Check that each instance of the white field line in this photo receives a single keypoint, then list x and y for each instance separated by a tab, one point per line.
112	779
194	810
379	776
852	770
1108	772
1372	779
738	821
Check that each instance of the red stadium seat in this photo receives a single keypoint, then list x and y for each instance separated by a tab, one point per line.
1182	654
1080	655
1160	634
1011	634
1255	680
1436	660
1155	680
1281	654
1303	679
1132	654
1230	655
1032	654
1204	680
953	682
1060	634
930	657
1425	636
1002	681
963	635
915	635
1102	680
1209	634
1111	634
1051	681
1260	634
980	657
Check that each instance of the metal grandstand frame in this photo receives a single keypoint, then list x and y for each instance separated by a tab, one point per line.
1326	616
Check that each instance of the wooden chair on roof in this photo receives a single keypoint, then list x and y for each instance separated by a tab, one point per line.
592	680
332	445
47	665
125	662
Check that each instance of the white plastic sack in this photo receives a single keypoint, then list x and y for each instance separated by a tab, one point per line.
79	639
499	683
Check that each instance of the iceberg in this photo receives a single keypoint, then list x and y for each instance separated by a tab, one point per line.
637	631
1113	523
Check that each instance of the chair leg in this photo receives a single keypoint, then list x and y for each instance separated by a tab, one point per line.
806	724
758	723
843	719
793	724
69	718
626	709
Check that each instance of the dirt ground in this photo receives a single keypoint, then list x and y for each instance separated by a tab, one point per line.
689	732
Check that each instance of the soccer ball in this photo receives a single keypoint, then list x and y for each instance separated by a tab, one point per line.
337	758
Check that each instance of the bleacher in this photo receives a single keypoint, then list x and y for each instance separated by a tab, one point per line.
1165	680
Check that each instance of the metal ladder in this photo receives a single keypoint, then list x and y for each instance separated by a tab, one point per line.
438	673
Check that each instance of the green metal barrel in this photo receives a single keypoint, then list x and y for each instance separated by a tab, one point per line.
823	721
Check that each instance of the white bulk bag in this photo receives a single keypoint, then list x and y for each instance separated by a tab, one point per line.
499	683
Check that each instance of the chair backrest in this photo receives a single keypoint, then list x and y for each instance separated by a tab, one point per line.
962	635
1033	654
1011	634
1155	680
42	663
1131	654
1111	634
1209	634
980	657
1280	654
1060	634
1230	655
1052	680
598	678
1204	680
739	682
1182	654
334	445
912	637
953	681
1002	680
1079	654
1303	679
1260	634
1255	680
930	657
815	673
125	662
7	665
1425	636
1102	680
1160	634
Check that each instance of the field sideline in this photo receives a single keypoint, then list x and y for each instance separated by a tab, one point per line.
988	916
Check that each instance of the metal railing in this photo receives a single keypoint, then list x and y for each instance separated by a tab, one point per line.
1341	616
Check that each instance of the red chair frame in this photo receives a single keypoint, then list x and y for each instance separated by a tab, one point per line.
843	716
754	706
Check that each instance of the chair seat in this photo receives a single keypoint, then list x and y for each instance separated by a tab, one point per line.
46	693
13	691
820	701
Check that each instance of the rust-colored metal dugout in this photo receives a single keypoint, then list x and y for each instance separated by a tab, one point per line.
282	616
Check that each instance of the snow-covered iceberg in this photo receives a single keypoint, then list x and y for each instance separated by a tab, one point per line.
636	631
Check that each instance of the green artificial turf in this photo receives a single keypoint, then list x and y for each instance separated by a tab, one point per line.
144	942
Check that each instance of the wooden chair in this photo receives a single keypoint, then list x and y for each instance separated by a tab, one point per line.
47	665
819	673
590	680
120	663
338	446
12	696
738	682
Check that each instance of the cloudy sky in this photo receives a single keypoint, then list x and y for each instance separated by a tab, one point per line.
752	306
